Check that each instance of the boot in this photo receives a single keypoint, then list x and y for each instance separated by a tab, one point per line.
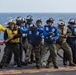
6	65
72	64
1	66
15	64
19	65
24	63
30	62
55	66
65	63
47	65
38	66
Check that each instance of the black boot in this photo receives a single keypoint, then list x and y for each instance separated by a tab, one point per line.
72	64
24	63
48	65
38	66
19	65
55	66
65	63
1	66
6	65
30	62
37	63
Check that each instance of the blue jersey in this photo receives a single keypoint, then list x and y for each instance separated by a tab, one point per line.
23	28
24	31
41	27
73	29
28	25
35	37
72	40
47	31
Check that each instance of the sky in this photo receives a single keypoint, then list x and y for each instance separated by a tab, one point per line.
36	6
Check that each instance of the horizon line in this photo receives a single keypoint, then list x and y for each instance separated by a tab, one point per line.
38	12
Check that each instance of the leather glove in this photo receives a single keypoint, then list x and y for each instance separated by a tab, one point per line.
52	34
59	41
51	38
66	36
14	36
63	36
24	35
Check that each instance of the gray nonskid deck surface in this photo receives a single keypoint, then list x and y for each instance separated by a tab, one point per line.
30	67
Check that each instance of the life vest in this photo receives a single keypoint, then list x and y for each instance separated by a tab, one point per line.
11	34
64	30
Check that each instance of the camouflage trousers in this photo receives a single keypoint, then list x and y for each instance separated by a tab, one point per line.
33	50
73	48
53	53
66	48
15	49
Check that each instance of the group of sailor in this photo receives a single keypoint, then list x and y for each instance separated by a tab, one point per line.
36	40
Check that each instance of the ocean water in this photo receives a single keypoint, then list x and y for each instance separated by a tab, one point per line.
5	17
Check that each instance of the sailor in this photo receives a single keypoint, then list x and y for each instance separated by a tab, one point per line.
41	27
39	24
72	40
64	33
50	33
29	21
12	38
20	22
35	38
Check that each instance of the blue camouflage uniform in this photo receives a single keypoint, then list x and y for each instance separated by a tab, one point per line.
35	38
72	42
48	30
24	30
41	46
40	27
49	43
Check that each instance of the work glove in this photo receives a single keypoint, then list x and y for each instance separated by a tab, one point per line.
42	42
51	37
52	34
24	35
63	36
59	41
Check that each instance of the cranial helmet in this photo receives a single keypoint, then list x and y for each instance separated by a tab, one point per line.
12	21
39	21
72	21
29	18
61	22
50	20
